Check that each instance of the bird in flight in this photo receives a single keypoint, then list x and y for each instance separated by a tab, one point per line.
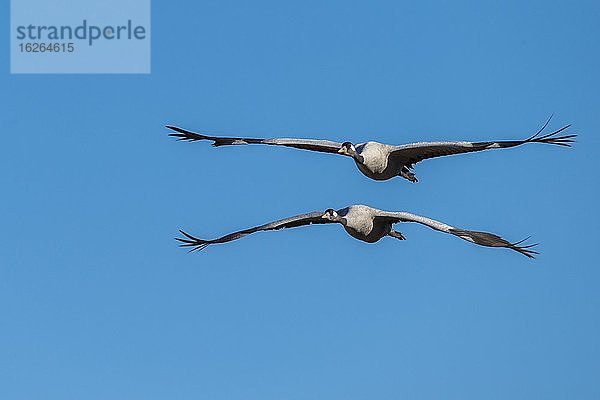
381	161
366	224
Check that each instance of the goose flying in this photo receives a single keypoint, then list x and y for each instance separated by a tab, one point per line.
382	161
366	224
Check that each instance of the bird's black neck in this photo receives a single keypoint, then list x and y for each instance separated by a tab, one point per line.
358	158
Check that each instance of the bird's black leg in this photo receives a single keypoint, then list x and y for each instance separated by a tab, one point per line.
396	235
406	174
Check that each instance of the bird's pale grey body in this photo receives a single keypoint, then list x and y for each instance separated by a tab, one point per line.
380	161
363	223
377	163
360	222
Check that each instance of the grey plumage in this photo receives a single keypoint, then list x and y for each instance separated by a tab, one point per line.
366	224
381	161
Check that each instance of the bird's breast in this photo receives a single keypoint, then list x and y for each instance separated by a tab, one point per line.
375	156
359	224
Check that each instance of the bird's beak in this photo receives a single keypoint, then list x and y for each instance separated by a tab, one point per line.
325	216
342	150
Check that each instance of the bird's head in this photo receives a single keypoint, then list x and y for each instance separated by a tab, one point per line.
331	215
347	149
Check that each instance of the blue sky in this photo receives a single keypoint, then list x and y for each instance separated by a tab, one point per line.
97	301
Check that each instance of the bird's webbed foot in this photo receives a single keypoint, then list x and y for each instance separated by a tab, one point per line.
406	174
397	235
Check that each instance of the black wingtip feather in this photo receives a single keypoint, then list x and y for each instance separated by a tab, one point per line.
551	138
192	241
543	126
492	240
185	135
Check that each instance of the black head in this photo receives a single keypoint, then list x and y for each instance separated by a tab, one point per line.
331	215
347	149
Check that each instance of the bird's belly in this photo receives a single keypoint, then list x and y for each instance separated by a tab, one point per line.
369	236
378	171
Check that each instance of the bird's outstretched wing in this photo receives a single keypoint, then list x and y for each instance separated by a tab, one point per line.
325	146
480	238
412	153
299	220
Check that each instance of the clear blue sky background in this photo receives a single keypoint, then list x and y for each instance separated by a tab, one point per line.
98	302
